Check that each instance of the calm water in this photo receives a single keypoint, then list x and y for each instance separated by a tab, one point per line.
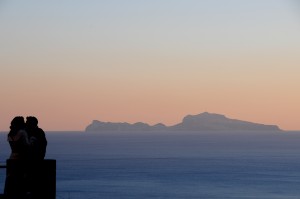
223	165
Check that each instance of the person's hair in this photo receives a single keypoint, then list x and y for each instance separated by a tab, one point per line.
16	124
32	120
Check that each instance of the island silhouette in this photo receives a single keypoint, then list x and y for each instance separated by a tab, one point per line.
201	122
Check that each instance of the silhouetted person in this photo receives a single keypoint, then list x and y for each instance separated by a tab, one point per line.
15	182
18	139
37	138
37	154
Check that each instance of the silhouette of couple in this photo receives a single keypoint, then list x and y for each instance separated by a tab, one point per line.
27	141
28	148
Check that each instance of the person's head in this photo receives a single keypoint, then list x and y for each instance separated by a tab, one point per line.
17	123
31	122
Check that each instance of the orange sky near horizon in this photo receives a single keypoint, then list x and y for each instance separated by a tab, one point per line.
68	64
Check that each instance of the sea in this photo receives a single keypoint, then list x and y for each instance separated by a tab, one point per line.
174	165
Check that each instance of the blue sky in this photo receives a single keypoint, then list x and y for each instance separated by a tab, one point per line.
182	57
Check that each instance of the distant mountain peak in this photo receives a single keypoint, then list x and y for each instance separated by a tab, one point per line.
201	122
207	115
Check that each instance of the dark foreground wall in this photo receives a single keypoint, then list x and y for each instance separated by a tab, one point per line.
33	179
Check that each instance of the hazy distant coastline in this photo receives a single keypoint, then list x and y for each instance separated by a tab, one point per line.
201	122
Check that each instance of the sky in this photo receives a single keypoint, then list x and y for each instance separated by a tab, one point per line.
70	62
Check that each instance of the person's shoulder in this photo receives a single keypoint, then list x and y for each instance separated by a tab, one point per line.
40	130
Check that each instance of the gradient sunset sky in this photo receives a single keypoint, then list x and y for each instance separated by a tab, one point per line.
70	62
